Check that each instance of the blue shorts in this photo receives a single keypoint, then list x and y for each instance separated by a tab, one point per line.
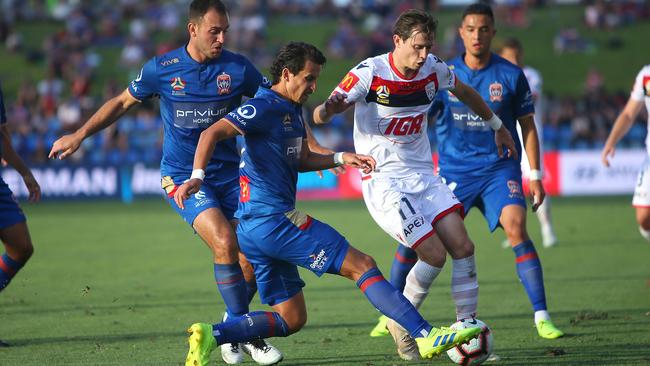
223	195
276	245
10	213
490	192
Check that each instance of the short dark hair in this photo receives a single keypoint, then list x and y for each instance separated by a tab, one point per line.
198	8
294	56
513	43
415	20
480	9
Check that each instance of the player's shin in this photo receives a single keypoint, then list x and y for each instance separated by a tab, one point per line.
464	287
233	289
251	326
404	259
419	281
8	269
529	270
390	302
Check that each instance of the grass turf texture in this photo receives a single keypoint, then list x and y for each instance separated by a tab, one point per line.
112	284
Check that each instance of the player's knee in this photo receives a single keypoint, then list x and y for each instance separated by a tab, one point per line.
366	263
224	247
23	251
515	229
295	321
464	250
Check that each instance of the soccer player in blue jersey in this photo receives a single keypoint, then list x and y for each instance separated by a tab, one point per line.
277	238
13	226
197	85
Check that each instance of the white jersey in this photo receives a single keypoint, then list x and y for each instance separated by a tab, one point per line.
390	116
640	93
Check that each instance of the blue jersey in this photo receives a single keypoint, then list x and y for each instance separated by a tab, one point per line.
3	116
465	141
273	132
192	97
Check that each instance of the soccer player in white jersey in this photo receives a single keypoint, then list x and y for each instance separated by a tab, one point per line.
640	95
392	94
513	51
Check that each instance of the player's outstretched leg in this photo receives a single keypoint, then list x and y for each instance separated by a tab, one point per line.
404	259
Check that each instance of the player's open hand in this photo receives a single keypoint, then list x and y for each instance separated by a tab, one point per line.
186	190
537	194
502	137
608	153
64	147
364	162
32	187
336	103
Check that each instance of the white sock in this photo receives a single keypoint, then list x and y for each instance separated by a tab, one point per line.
544	215
541	315
464	287
418	282
644	233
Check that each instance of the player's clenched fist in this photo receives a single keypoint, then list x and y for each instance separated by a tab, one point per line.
186	190
363	162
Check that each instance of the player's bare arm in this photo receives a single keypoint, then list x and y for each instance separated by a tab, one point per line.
472	99
14	160
336	103
531	145
310	161
208	140
621	127
105	116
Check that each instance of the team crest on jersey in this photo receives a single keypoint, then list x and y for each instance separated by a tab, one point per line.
515	189
348	82
431	90
223	84
383	93
646	85
496	92
177	84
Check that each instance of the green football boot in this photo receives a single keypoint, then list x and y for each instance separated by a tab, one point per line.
546	329
380	329
201	344
442	339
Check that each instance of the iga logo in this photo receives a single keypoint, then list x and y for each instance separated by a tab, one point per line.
400	127
247	111
223	84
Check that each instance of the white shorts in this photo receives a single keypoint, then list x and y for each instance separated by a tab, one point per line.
642	190
407	208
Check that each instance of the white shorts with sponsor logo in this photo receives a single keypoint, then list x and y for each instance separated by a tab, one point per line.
406	208
642	189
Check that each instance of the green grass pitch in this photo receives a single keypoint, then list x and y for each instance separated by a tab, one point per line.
114	284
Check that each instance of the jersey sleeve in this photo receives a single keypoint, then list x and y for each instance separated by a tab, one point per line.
356	83
641	86
250	117
253	79
446	77
3	112
523	101
145	85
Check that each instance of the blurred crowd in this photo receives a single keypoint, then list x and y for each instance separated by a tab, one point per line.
123	34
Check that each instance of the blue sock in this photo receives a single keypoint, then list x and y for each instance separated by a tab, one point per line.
251	326
529	270
232	286
392	303
8	269
405	258
251	289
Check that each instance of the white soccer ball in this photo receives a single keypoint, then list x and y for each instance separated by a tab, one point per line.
477	350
